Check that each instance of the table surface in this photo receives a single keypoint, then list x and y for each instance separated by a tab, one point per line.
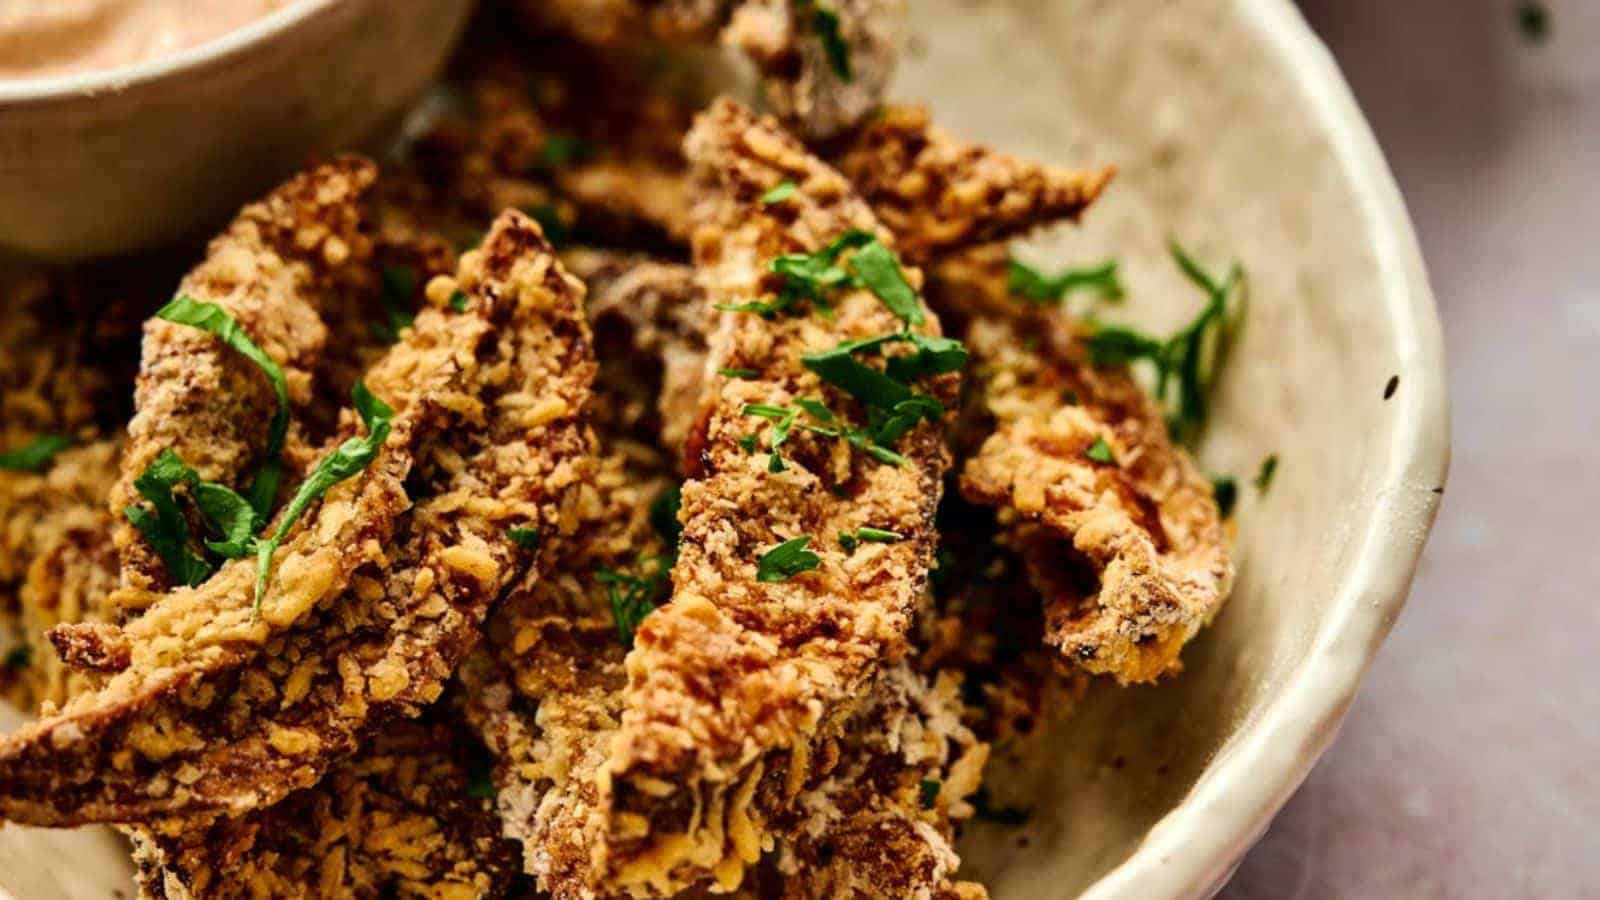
1467	765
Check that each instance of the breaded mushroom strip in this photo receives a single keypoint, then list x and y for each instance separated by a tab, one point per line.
222	710
1130	555
938	194
400	818
206	402
734	683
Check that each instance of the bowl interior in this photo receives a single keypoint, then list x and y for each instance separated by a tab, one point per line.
1234	136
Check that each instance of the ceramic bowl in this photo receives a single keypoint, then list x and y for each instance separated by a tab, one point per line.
124	159
1235	135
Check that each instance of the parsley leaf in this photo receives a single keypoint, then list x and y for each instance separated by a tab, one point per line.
664	512
781	192
929	790
1038	287
878	269
740	374
879	535
633	597
34	455
399	284
551	222
458	301
561	149
233	516
166	529
1269	468
933	356
351	457
19	657
826	23
209	317
786	560
1226	491
526	538
479	785
1100	451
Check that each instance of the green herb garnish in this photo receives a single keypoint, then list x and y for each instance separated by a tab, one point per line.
878	269
1226	492
848	541
783	191
740	374
458	301
1269	468
826	23
633	597
786	560
1100	451
36	454
561	149
1186	364
166	529
879	535
526	538
929	789
555	228
19	657
399	283
209	317
664	511
351	457
479	785
1038	287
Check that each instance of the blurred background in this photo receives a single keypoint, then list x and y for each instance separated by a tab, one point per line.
1467	767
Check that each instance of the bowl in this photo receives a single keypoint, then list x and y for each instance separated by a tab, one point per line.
1236	135
114	161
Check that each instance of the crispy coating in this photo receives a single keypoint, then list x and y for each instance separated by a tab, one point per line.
224	710
615	23
939	194
1130	555
56	523
661	313
736	680
545	691
397	819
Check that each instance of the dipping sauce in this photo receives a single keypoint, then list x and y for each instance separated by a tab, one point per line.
54	37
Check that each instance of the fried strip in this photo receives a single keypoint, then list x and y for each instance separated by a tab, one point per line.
221	710
737	680
1130	555
396	819
939	194
206	402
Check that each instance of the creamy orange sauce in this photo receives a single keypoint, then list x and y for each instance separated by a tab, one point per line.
54	37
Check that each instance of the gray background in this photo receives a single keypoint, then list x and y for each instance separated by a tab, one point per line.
1467	767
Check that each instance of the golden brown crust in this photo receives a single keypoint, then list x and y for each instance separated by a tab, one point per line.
224	710
737	678
1130	555
203	400
399	818
938	194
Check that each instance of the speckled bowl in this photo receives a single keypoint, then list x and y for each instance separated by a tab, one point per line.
1235	134
119	160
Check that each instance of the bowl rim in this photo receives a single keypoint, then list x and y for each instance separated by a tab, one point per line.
119	78
1195	848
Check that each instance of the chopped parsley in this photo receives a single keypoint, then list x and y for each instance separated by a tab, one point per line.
34	455
526	538
165	528
480	785
781	192
633	597
1100	451
740	374
825	22
562	149
1226	491
458	301
19	657
880	272
786	560
1038	287
551	222
1269	468
351	457
813	276
209	317
748	443
1186	364
929	790
399	285
664	512
985	810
